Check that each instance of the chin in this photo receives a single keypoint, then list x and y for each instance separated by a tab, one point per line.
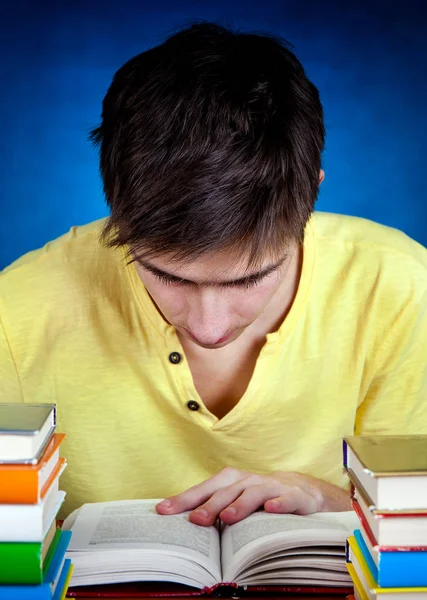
220	344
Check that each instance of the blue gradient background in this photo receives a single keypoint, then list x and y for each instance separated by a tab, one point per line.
369	60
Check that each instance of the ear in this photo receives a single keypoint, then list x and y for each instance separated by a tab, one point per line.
321	176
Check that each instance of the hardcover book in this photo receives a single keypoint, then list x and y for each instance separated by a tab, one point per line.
127	541
392	470
25	430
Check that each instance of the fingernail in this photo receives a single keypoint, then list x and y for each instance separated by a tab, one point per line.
275	503
202	513
231	510
165	503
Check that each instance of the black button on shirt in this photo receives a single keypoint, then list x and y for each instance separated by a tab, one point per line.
192	405
175	358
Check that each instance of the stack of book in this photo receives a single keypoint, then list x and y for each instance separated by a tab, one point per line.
32	548
387	555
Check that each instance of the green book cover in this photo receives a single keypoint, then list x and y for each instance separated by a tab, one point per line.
22	563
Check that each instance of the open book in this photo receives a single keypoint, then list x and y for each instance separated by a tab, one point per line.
127	541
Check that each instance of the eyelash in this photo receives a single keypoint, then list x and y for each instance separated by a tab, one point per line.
170	281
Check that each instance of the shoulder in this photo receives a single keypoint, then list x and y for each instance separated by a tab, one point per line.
76	242
370	276
59	275
371	249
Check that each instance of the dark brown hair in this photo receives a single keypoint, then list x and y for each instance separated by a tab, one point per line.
211	140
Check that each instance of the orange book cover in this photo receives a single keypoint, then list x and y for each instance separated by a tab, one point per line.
27	484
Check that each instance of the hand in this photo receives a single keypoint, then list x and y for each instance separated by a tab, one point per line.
232	495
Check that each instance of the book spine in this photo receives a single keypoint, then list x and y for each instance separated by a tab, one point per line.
218	589
345	453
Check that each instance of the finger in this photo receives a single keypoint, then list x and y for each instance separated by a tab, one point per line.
198	494
207	513
250	500
294	500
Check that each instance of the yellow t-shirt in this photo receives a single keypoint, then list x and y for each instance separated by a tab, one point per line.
79	329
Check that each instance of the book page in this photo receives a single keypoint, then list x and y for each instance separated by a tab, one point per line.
263	534
134	525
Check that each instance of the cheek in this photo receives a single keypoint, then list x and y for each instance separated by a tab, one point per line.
251	302
170	299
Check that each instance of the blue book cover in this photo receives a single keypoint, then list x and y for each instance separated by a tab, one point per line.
53	583
400	568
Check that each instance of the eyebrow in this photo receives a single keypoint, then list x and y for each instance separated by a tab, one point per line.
232	282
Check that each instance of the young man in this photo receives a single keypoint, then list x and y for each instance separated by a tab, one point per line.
214	334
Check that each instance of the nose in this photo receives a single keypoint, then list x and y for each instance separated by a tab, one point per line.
209	317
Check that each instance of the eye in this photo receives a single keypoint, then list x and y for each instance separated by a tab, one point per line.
242	284
167	280
251	283
245	284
